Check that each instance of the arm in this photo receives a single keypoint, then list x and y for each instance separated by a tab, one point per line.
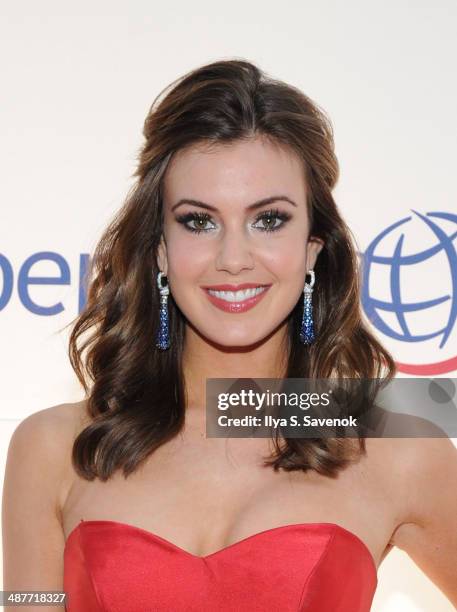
429	532
33	539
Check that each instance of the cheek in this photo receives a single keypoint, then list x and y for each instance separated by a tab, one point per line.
186	260
287	261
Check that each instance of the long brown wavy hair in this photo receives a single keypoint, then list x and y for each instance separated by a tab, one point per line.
136	394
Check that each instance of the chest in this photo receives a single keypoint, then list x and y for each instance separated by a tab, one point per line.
206	494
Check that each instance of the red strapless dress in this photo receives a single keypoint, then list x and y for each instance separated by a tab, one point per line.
319	567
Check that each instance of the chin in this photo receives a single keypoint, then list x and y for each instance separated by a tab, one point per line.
231	340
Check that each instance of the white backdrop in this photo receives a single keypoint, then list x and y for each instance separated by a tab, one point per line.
78	80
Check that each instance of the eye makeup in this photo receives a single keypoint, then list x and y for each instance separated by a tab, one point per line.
268	216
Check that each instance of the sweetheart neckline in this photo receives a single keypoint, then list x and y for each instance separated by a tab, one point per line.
154	536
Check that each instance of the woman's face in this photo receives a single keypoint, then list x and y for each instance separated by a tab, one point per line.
217	232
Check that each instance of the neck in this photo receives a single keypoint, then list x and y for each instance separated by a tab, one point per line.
203	359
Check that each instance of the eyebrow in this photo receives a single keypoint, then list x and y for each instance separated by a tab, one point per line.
258	204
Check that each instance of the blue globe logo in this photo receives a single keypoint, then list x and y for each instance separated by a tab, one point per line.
420	285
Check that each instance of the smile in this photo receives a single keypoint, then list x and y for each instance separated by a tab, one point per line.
236	301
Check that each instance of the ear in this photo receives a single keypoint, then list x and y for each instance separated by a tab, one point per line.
162	260
313	249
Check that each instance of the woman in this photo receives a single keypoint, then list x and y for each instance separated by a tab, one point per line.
121	499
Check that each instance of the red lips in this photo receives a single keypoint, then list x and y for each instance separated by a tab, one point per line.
236	307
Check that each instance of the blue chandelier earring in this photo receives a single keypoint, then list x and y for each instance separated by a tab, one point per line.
307	329
163	334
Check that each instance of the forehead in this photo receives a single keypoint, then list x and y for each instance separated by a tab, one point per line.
245	170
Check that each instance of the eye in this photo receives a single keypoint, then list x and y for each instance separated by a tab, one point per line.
199	218
270	217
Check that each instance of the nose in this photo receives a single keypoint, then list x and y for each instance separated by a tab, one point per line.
234	253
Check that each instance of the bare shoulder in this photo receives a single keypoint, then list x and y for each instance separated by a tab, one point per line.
424	482
62	416
37	475
410	469
427	469
44	440
51	430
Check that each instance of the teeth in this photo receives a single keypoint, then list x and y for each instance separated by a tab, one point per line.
237	296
